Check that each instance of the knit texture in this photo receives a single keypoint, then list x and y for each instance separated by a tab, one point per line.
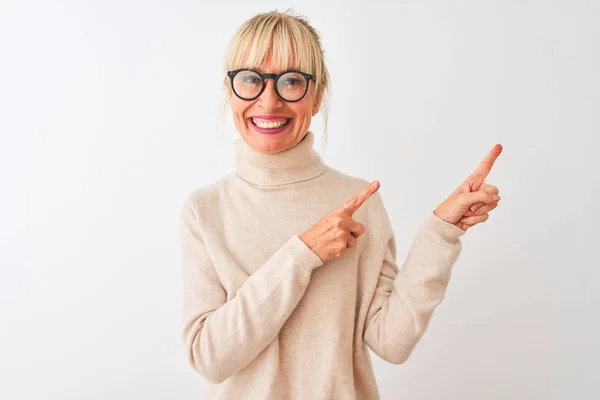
265	318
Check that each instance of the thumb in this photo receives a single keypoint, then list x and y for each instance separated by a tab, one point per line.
463	188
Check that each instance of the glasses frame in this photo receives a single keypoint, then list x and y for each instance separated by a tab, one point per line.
275	78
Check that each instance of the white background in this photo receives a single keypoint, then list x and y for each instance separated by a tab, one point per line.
109	116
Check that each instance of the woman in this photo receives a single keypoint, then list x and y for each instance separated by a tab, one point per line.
288	264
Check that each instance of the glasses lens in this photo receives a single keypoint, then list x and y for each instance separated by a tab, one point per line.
291	86
247	84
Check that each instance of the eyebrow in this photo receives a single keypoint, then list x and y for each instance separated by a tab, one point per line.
280	71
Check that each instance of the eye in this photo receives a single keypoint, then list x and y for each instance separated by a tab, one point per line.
291	82
251	79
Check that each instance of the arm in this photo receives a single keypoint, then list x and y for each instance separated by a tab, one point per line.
405	299
223	336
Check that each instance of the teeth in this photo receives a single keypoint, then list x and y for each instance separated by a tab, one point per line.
270	125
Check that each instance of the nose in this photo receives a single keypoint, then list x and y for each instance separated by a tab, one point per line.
268	99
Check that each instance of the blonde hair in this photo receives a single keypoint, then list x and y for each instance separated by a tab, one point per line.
292	38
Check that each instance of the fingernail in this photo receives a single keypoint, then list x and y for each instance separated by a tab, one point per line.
374	183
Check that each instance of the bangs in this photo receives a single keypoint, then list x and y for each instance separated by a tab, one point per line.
273	37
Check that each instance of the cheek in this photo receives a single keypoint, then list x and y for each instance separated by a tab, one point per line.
302	108
303	112
238	107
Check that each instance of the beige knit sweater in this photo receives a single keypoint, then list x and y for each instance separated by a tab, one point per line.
264	318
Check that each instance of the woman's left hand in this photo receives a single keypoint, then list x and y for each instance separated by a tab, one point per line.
470	203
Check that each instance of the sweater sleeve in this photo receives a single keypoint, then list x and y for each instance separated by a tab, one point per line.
222	337
404	300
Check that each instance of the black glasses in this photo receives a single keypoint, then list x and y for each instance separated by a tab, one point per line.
248	84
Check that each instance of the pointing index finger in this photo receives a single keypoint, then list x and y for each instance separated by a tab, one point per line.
486	165
358	200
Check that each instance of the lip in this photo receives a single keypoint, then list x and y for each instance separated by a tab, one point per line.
271	131
269	117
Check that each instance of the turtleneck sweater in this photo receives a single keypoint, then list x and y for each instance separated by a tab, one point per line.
264	317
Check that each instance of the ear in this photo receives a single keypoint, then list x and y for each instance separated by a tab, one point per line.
317	104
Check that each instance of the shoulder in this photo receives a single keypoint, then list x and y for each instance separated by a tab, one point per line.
344	181
208	197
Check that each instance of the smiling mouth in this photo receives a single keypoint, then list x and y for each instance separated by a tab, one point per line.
270	124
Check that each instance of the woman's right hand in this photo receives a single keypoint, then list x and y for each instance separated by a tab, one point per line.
337	231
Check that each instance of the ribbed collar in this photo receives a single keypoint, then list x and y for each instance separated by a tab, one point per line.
298	163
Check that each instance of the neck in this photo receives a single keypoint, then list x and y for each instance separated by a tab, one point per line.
298	163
